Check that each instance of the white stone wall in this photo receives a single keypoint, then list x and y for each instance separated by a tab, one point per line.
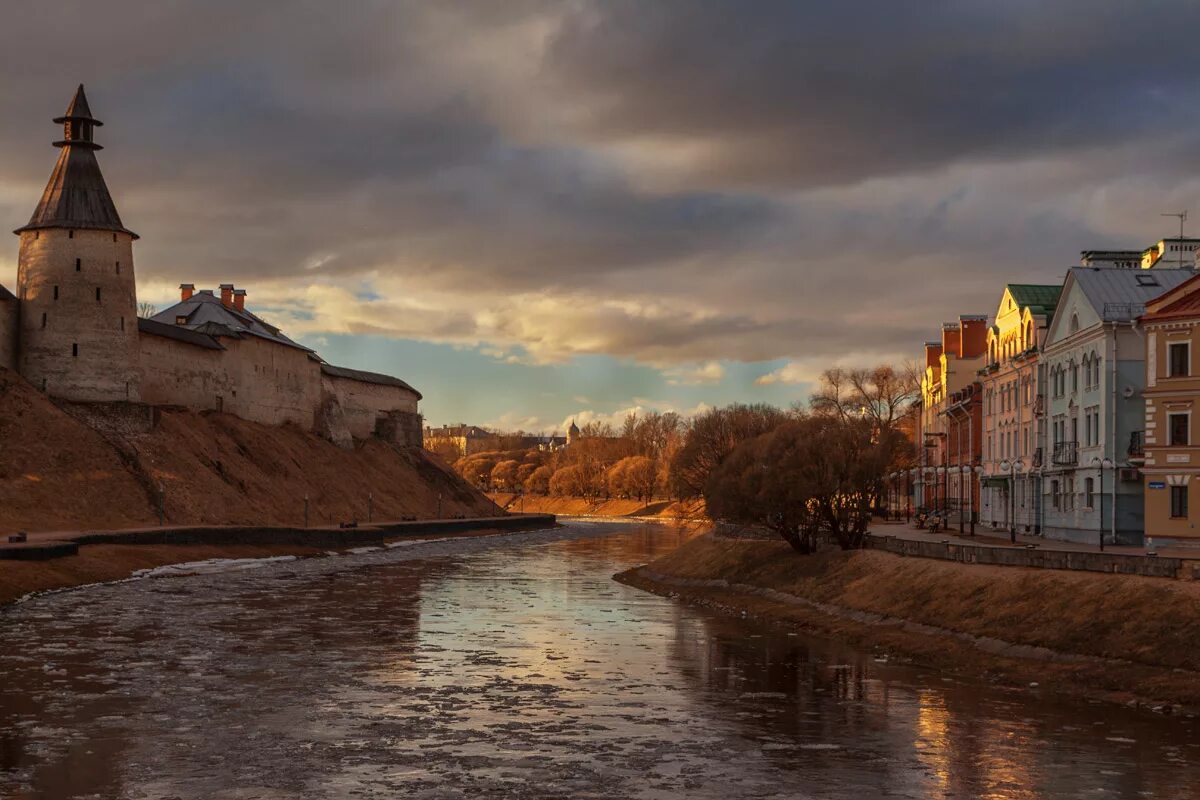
79	335
363	404
9	332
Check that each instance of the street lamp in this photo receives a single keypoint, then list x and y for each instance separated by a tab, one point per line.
941	475
1103	464
1012	468
978	470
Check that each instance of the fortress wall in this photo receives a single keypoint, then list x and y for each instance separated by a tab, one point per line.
363	404
9	333
76	344
271	383
175	373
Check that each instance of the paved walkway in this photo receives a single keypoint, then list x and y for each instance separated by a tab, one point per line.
999	538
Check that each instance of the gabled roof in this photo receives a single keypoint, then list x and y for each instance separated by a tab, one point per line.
367	377
206	313
1121	293
179	334
1182	301
5	294
1038	298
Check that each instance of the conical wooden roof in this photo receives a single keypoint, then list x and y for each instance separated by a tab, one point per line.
76	195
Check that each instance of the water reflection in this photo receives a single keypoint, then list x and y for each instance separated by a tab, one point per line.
490	669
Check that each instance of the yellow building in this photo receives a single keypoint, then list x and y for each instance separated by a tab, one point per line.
1170	447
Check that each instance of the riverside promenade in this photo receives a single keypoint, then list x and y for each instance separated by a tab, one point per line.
44	545
995	546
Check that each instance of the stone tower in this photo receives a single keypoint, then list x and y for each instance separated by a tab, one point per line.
75	281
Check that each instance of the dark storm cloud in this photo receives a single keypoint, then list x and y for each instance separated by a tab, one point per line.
675	180
794	94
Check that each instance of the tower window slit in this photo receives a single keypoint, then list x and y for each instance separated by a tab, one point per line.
70	234
79	265
118	267
97	294
43	320
75	349
55	292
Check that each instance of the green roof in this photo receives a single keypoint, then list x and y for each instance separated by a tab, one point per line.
1041	299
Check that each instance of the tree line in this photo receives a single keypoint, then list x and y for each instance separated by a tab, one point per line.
809	472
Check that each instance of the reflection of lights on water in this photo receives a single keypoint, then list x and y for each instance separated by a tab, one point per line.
932	742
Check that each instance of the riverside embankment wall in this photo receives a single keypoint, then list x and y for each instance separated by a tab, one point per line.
270	536
1036	558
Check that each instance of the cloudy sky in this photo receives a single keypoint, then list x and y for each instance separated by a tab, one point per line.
534	211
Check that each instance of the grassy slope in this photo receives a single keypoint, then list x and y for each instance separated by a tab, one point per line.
1147	621
58	474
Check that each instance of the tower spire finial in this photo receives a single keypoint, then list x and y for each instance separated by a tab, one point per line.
78	123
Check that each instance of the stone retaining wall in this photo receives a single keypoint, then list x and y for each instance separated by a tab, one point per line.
261	535
1120	564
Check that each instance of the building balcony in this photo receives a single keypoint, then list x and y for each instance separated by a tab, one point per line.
1065	454
1137	444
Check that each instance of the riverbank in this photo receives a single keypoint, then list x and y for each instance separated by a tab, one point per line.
582	507
111	560
1117	638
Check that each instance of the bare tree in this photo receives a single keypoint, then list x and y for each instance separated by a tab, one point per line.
146	310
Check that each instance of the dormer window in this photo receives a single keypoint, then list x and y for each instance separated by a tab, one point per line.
181	320
1146	280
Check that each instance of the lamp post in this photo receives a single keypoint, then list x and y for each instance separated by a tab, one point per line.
1103	464
1012	468
941	476
978	470
963	471
912	474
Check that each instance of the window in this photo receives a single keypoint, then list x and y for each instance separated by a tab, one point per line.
43	320
1179	502
97	294
1089	493
1177	425
181	320
79	265
1074	323
55	292
1178	359
75	350
70	234
1146	280
122	323
1055	498
118	267
1074	377
114	237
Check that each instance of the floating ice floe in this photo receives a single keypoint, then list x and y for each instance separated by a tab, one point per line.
210	565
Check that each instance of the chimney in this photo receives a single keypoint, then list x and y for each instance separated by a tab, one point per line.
186	290
239	299
933	354
951	339
227	294
973	331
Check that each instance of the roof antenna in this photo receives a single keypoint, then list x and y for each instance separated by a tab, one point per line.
1182	218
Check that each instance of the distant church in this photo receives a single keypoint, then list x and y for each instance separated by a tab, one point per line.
72	328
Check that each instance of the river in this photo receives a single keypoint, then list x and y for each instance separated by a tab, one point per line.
514	667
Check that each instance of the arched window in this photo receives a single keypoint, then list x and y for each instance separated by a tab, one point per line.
1074	323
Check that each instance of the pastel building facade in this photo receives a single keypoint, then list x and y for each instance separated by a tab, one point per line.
1169	450
951	364
1094	362
1012	453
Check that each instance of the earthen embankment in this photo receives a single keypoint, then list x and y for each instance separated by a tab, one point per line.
1125	638
59	473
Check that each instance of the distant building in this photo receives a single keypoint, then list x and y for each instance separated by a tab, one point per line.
1168	253
464	440
573	434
